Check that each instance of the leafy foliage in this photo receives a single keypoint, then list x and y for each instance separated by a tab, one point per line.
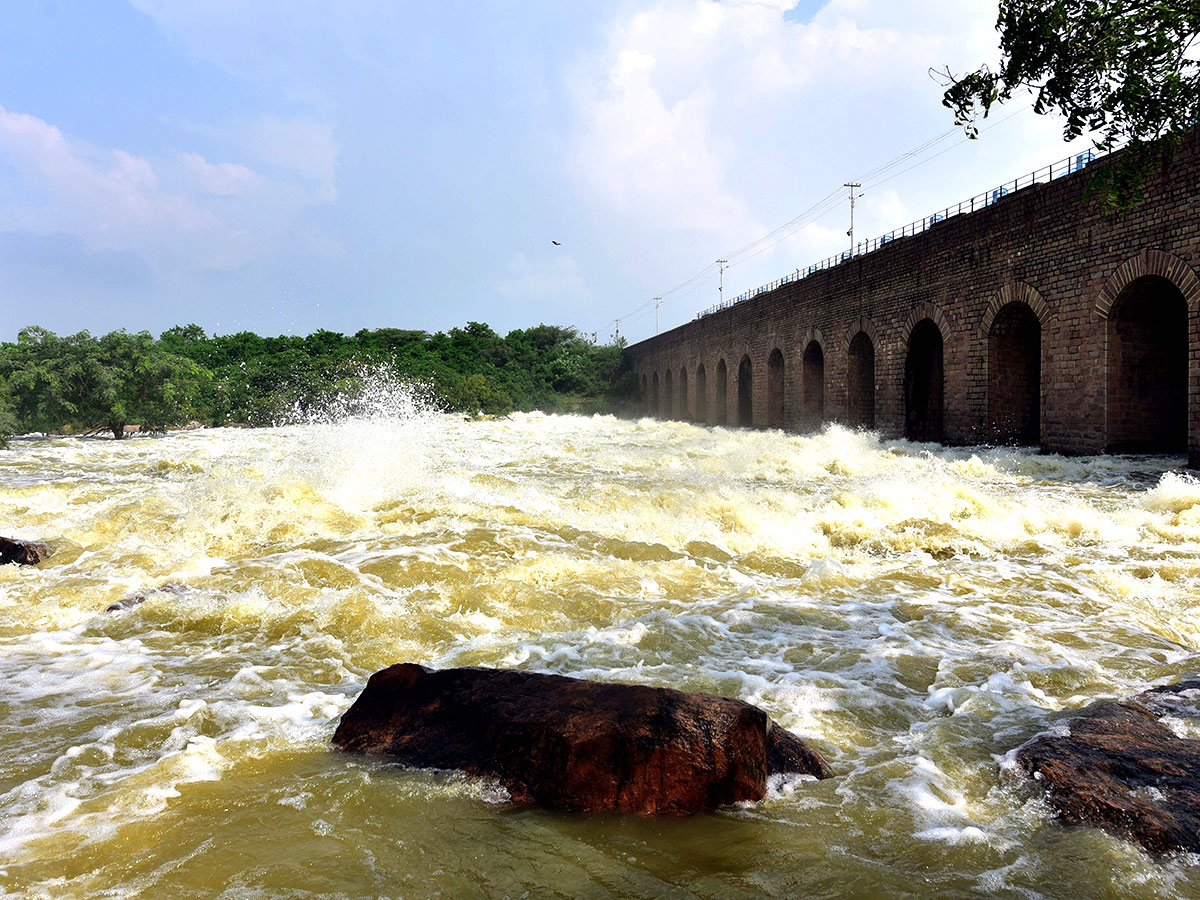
1124	69
85	382
8	414
82	382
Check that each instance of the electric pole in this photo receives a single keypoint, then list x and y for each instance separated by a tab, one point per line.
852	185
721	284
657	301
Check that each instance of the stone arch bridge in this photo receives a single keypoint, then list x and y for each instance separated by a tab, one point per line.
1036	320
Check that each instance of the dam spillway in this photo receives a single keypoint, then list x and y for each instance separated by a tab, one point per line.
1034	320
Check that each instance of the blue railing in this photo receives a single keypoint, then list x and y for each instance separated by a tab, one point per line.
979	201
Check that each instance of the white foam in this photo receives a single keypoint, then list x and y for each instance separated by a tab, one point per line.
910	609
967	834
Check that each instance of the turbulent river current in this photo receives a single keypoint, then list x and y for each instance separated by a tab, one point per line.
914	612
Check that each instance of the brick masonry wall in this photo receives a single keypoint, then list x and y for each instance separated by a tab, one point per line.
1044	247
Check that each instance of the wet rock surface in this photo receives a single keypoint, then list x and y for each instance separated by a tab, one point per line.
24	553
1130	767
572	744
139	597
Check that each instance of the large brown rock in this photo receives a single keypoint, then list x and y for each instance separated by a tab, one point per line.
572	744
1119	767
24	553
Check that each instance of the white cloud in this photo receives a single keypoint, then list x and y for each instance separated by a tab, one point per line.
111	194
179	214
303	147
553	279
223	179
641	157
703	125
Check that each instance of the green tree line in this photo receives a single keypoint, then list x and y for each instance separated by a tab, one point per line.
82	383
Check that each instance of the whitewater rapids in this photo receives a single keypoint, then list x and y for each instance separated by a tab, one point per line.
913	611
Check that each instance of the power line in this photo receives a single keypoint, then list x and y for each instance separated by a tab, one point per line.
943	150
834	198
814	213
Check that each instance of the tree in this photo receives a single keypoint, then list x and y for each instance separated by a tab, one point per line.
8	415
1121	69
180	337
84	382
146	384
110	381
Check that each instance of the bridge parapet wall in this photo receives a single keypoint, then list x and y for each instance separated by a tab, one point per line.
1026	322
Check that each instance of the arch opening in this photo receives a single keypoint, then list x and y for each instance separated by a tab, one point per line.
701	394
1148	368
645	395
745	409
860	382
812	406
655	409
775	389
682	411
721	395
924	384
667	410
1015	375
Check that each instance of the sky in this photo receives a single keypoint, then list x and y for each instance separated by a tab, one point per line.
282	166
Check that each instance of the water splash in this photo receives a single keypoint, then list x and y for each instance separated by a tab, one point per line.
916	611
366	445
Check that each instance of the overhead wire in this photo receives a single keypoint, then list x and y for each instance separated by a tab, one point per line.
865	181
812	214
838	195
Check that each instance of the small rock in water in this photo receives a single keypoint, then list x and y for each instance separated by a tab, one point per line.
138	597
23	553
1124	767
572	744
126	602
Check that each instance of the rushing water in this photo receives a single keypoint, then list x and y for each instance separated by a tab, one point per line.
914	612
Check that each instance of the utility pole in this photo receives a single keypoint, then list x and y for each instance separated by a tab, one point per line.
721	284
657	301
852	185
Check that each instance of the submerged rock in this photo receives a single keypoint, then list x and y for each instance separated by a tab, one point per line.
139	597
23	553
128	602
572	744
1127	767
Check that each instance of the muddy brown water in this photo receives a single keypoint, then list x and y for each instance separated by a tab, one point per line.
915	612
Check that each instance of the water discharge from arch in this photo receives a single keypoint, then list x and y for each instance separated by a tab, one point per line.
745	392
1148	368
924	383
776	396
721	395
860	382
1015	376
813	407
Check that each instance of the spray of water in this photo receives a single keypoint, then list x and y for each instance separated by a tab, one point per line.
367	444
915	611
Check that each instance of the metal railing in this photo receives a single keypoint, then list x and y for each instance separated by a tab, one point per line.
979	201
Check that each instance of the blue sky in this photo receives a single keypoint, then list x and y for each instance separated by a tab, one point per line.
288	165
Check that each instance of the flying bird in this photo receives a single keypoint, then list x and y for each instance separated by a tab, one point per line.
556	243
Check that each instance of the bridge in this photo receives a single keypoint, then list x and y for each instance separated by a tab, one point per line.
1030	318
